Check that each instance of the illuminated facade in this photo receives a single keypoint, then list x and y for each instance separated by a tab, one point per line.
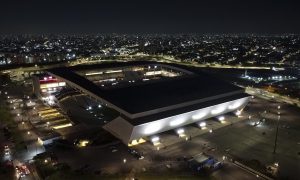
130	133
45	85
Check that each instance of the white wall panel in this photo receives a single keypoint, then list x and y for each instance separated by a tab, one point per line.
180	120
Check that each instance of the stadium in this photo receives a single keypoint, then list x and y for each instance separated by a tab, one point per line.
152	97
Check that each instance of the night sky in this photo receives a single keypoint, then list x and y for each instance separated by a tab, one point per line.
150	16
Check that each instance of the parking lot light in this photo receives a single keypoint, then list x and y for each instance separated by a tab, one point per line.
224	157
180	131
89	108
221	118
202	124
155	139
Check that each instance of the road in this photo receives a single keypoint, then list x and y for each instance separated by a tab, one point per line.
21	116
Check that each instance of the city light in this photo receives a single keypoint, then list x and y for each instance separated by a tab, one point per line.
92	100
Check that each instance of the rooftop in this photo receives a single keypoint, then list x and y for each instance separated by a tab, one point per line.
141	97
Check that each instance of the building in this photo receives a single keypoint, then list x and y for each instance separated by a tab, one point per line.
152	97
202	162
44	86
47	138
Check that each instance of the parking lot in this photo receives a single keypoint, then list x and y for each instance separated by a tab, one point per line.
247	137
84	110
237	137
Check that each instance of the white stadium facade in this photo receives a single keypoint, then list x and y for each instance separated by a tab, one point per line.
152	97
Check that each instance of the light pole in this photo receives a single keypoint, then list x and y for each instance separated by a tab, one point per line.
275	143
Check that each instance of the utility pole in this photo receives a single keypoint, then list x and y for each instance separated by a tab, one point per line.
275	143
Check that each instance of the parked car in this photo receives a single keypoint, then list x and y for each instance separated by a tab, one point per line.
135	154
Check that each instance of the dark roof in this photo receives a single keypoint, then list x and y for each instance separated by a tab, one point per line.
149	96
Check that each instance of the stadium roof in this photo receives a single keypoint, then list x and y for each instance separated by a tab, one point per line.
157	94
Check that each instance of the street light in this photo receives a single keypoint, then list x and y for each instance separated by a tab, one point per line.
275	143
